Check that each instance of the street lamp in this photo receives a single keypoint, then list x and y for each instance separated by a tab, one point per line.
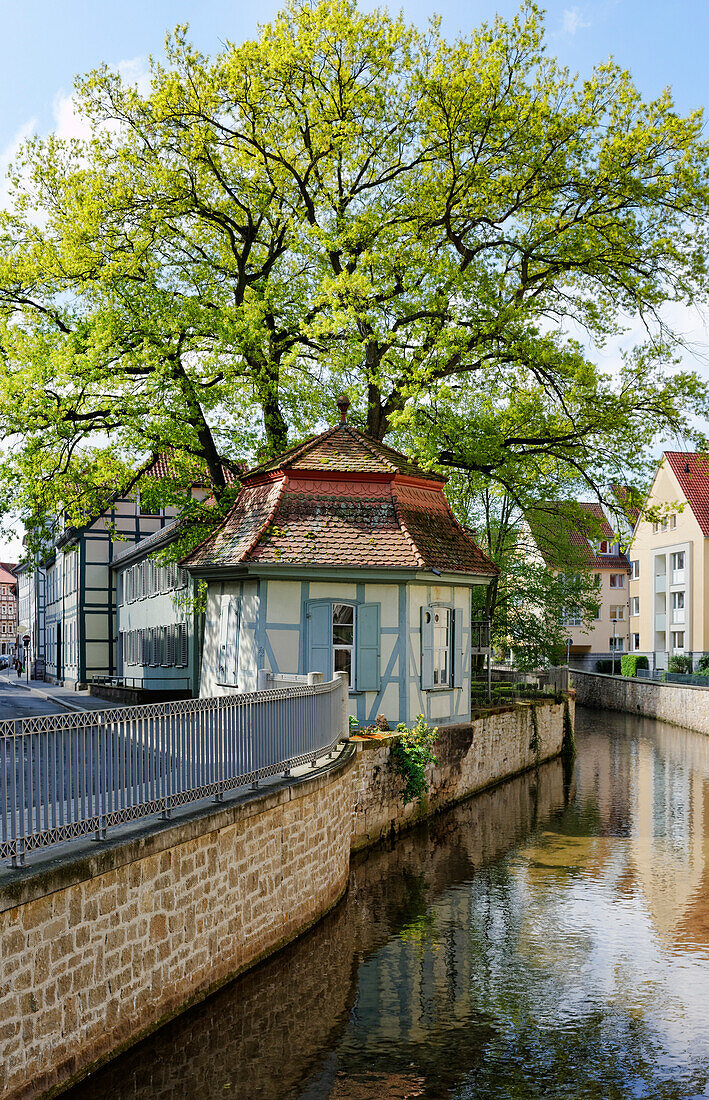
568	648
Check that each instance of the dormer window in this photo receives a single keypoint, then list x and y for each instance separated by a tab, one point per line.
604	547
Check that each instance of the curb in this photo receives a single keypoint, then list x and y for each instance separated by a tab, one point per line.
45	695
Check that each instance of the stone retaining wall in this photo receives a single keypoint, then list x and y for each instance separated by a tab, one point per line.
98	950
91	964
470	758
680	704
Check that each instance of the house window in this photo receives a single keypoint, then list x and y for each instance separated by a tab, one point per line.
615	645
571	618
635	638
617	580
441	648
634	570
635	605
604	547
678	607
344	637
673	521
677	639
677	567
618	612
145	509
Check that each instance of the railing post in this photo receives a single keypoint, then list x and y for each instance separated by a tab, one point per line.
344	722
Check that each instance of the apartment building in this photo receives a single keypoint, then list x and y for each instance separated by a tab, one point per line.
584	536
8	611
669	558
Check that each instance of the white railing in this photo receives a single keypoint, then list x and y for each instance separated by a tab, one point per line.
67	776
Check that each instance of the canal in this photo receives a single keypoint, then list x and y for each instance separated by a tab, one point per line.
549	938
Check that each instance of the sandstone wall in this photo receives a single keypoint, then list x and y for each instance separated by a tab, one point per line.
89	966
679	704
97	951
470	758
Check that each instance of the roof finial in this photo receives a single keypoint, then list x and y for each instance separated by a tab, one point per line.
343	404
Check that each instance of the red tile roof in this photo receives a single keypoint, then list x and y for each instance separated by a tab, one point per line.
342	500
6	577
559	525
692	473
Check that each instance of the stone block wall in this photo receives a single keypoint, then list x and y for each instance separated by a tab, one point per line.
137	934
470	757
680	704
97	951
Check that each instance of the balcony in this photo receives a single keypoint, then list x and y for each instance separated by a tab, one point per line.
661	582
660	621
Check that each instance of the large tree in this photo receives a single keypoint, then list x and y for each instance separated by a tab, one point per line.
446	229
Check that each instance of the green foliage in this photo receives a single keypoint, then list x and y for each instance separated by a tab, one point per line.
681	662
605	665
703	663
631	662
410	755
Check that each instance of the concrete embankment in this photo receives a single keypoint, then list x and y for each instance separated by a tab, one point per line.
679	704
98	950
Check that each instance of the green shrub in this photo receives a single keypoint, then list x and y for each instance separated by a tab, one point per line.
631	662
703	663
681	662
604	665
410	754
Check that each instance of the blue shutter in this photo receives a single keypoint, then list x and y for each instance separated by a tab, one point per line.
426	647
318	624
458	652
368	648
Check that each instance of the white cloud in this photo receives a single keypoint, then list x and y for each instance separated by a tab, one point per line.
9	154
573	20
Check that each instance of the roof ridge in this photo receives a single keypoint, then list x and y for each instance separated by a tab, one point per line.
404	528
366	442
293	452
266	524
213	533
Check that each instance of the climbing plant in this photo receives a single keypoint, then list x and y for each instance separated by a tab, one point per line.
411	753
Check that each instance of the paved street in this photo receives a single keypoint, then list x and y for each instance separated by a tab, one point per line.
20	699
16	703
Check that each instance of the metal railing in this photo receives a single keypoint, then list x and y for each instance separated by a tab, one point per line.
70	775
480	635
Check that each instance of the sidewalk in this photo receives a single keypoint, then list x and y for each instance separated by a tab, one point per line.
63	697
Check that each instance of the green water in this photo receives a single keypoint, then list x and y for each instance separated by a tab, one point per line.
546	939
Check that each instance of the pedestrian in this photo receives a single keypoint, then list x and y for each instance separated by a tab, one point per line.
18	666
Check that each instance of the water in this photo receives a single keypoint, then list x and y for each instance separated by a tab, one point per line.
546	939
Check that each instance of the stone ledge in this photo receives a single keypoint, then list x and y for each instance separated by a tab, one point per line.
61	871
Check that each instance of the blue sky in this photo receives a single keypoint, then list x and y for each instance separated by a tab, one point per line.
45	43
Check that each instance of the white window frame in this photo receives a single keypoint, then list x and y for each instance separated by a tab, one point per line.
634	605
617	580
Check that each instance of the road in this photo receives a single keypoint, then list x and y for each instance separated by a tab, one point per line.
16	703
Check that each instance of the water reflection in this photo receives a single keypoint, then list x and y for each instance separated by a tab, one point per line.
531	943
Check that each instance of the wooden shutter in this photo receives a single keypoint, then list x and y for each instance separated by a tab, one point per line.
458	651
318	623
232	639
367	672
426	647
182	639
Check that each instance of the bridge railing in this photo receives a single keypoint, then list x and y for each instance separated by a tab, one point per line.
71	775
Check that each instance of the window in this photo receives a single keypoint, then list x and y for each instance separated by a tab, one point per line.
604	547
677	562
635	638
673	521
678	639
618	612
615	645
678	607
617	580
441	648
634	570
344	637
145	509
634	605
571	618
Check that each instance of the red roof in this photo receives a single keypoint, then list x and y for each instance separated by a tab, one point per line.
6	577
559	525
692	473
342	500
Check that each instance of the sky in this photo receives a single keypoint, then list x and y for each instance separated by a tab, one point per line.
45	43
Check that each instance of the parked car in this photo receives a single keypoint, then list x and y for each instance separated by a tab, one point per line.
4	662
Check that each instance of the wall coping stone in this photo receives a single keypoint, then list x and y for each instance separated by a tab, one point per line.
67	869
645	681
